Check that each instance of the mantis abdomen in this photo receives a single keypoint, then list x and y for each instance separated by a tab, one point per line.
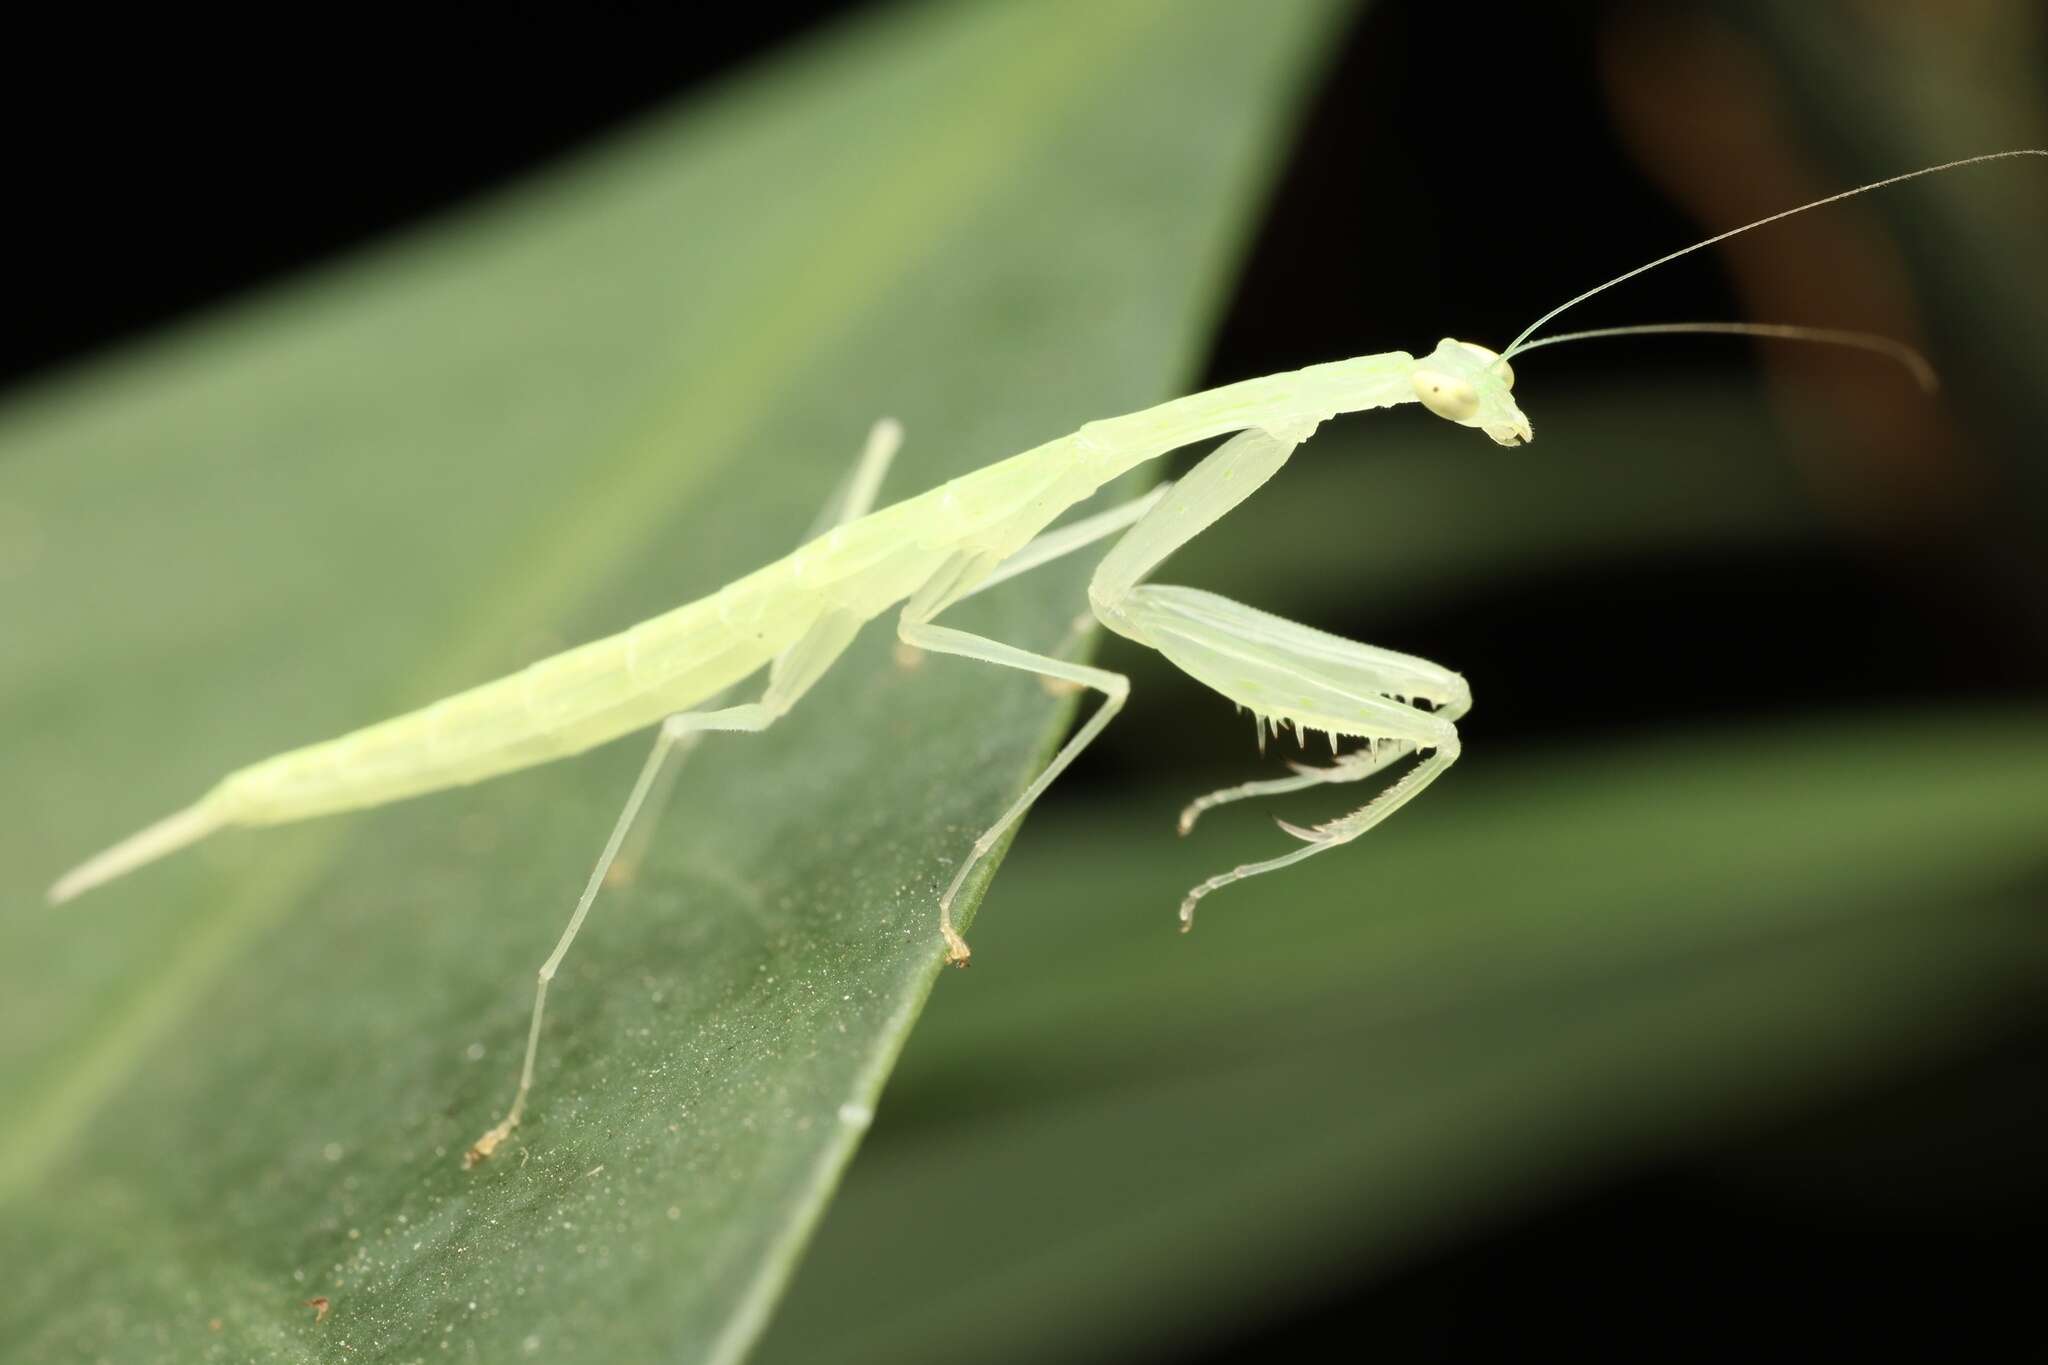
560	706
585	696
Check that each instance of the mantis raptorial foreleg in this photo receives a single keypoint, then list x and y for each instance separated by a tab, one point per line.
1379	671
1284	673
1291	674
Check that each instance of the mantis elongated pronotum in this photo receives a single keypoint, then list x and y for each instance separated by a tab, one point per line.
927	553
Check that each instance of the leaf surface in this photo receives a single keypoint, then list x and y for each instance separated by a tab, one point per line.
240	1081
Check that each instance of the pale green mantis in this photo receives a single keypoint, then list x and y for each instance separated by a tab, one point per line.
930	552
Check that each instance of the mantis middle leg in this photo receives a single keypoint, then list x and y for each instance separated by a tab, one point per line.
1065	541
915	627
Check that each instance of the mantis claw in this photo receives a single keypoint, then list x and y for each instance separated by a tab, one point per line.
480	1150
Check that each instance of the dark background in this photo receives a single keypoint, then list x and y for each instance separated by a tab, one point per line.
1446	181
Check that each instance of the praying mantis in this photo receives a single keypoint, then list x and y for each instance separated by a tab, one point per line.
926	554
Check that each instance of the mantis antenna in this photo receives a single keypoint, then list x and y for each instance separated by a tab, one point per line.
1522	342
1915	363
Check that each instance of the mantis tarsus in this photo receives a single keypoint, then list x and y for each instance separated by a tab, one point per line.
927	553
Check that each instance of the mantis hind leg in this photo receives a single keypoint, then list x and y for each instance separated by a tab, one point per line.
796	670
852	500
855	497
792	674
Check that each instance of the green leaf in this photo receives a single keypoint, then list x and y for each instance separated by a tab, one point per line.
1120	1143
241	1080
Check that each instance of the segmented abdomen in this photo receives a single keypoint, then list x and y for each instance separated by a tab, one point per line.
674	662
559	706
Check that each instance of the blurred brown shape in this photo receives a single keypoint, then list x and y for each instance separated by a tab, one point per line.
1702	111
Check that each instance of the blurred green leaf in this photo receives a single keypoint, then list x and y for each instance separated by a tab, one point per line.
1118	1142
240	1081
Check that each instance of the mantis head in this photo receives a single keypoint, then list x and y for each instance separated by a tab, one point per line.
1465	383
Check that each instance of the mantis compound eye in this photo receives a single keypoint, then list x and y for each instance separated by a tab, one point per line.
1445	395
1492	361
